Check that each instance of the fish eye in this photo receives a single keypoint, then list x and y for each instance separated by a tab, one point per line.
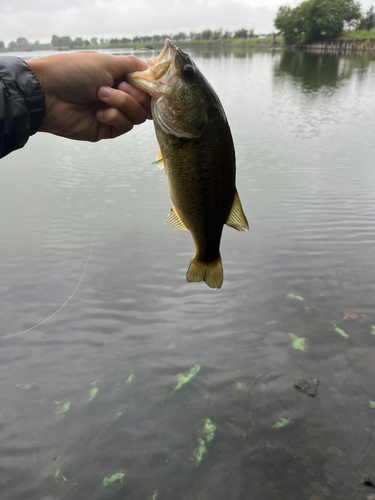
188	72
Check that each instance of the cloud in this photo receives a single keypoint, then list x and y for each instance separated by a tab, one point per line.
113	18
40	19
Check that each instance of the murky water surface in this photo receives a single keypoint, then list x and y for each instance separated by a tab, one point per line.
88	406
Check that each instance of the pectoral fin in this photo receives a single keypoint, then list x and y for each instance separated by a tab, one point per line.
160	160
237	218
174	220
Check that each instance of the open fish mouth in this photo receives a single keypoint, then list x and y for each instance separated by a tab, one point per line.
173	103
165	55
149	80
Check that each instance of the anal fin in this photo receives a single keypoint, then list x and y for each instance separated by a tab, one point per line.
237	218
174	220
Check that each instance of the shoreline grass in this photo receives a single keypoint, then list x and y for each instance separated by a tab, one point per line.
358	35
362	36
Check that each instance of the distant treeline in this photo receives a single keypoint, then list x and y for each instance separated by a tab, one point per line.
310	21
65	42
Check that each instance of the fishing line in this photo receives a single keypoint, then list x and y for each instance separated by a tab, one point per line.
82	274
144	50
90	251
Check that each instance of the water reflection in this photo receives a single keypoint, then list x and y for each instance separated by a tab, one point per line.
89	397
312	72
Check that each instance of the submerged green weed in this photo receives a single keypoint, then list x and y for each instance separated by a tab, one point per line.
61	410
184	379
118	476
93	392
209	429
295	297
59	475
298	343
207	433
200	451
342	333
281	423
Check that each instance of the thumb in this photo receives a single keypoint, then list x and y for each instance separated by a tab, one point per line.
119	66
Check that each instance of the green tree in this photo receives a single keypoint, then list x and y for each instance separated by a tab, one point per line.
62	41
242	33
193	35
180	36
367	22
316	20
55	41
207	35
217	34
78	42
67	41
290	23
22	43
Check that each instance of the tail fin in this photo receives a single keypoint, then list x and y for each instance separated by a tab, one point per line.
210	272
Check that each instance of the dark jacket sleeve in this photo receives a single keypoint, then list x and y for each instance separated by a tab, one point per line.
21	104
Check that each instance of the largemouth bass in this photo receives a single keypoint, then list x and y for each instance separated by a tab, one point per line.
197	152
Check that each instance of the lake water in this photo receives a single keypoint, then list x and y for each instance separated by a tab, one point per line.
88	406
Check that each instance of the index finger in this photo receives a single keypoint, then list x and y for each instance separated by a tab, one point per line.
142	97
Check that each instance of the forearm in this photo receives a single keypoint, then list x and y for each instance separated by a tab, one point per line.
22	104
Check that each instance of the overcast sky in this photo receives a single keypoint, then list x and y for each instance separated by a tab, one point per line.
40	19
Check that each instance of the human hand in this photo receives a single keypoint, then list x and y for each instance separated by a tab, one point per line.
81	98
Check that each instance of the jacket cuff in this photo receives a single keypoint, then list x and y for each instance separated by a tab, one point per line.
22	104
35	103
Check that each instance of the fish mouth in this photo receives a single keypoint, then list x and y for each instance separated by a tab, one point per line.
150	80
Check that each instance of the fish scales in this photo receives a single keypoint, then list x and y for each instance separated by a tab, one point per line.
197	151
191	164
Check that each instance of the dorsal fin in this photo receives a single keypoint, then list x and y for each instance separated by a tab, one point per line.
237	219
174	220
